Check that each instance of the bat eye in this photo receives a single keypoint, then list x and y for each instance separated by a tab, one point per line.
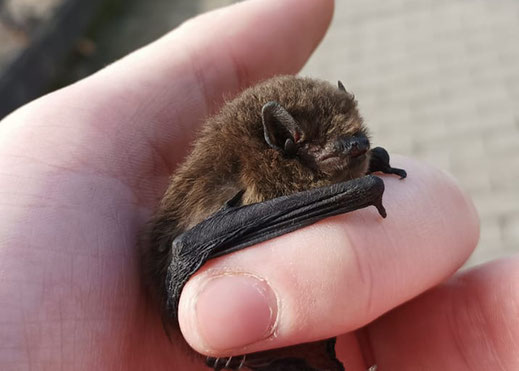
290	147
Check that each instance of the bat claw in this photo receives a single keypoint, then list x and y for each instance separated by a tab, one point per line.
400	172
381	209
242	362
226	363
380	162
213	362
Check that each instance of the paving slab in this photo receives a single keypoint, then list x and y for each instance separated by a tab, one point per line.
436	79
439	80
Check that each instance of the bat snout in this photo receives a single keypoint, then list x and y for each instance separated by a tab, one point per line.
354	146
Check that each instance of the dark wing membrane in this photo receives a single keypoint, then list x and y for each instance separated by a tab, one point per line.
234	228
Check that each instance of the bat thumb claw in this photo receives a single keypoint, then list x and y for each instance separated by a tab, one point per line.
381	209
400	172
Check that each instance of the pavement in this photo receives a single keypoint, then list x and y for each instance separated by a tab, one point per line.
435	79
439	80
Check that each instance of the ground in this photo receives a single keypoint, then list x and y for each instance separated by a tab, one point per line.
435	79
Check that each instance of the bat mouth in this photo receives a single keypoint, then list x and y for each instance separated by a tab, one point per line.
347	165
357	152
346	159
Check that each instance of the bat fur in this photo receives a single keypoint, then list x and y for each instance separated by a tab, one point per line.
283	137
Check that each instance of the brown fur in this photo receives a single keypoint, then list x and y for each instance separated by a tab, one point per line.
231	154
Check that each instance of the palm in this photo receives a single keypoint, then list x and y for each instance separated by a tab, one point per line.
78	227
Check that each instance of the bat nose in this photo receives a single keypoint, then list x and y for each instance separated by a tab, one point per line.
355	146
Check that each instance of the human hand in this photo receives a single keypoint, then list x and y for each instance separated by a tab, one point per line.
83	168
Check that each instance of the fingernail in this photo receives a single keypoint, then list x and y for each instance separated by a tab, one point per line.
234	311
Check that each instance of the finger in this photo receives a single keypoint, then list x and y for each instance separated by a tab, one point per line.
143	109
335	276
468	323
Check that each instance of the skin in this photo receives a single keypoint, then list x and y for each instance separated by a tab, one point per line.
82	169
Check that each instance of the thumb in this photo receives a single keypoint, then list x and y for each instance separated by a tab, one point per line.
334	276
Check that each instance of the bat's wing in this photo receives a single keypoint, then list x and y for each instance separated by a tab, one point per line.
234	228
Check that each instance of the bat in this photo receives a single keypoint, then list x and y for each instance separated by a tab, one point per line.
282	155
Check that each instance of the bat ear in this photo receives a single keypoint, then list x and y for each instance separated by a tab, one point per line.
281	130
343	89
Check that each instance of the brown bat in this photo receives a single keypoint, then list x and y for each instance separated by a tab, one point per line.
282	155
